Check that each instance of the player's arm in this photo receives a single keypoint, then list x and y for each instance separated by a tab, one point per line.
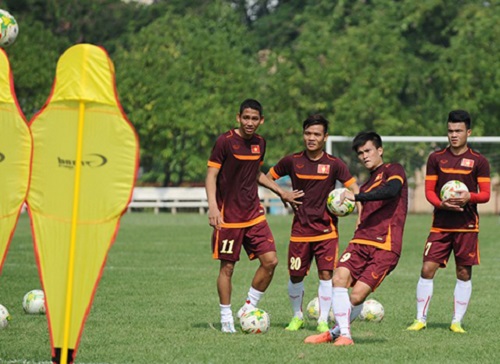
214	216
352	186
389	190
483	196
288	197
433	198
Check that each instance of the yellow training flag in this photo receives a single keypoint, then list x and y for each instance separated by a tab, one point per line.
15	154
85	157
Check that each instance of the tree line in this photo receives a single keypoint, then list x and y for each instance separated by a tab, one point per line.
183	67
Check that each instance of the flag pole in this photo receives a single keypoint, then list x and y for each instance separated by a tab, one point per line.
74	226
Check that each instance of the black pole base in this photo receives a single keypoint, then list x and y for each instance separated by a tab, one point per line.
56	359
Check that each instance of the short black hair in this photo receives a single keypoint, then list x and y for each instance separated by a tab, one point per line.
459	116
365	136
316	119
251	104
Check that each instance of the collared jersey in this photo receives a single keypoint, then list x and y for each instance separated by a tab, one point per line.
382	221
311	221
469	168
239	161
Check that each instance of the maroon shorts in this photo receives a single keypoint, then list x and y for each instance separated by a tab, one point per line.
465	247
256	239
368	264
300	256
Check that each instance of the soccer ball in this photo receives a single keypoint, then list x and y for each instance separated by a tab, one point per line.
312	310
450	188
34	302
8	29
256	321
372	311
4	317
333	203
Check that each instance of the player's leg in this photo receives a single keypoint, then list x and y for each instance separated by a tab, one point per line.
226	247
259	243
325	292
299	262
466	250
436	253
224	288
367	267
325	253
424	291
342	279
461	297
296	295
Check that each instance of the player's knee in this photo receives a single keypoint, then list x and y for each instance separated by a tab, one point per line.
227	270
428	272
271	264
464	273
339	281
357	298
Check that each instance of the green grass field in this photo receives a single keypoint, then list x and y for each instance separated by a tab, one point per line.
157	303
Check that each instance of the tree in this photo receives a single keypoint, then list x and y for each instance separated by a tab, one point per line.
181	80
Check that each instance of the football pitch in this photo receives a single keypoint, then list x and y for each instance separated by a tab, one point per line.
157	302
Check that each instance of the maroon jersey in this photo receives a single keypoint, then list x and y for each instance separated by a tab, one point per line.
471	168
239	162
317	178
382	221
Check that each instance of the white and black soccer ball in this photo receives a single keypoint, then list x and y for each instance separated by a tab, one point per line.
8	29
4	317
372	311
450	189
256	321
34	302
335	207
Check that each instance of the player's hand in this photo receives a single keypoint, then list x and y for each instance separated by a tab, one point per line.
458	202
214	218
450	205
461	198
346	194
292	198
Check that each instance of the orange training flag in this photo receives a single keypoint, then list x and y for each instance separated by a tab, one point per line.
85	157
15	154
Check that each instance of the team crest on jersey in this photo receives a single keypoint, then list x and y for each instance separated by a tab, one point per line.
468	163
323	169
255	149
379	176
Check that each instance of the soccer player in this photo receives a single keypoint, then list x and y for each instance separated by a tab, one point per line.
375	248
314	231
455	224
234	209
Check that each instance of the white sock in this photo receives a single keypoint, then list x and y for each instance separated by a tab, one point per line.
425	289
463	291
296	294
342	310
325	299
254	296
355	311
226	315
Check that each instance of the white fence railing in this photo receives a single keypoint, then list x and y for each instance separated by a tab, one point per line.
176	199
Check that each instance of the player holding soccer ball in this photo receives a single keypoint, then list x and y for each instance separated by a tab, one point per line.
374	250
455	224
234	209
314	231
